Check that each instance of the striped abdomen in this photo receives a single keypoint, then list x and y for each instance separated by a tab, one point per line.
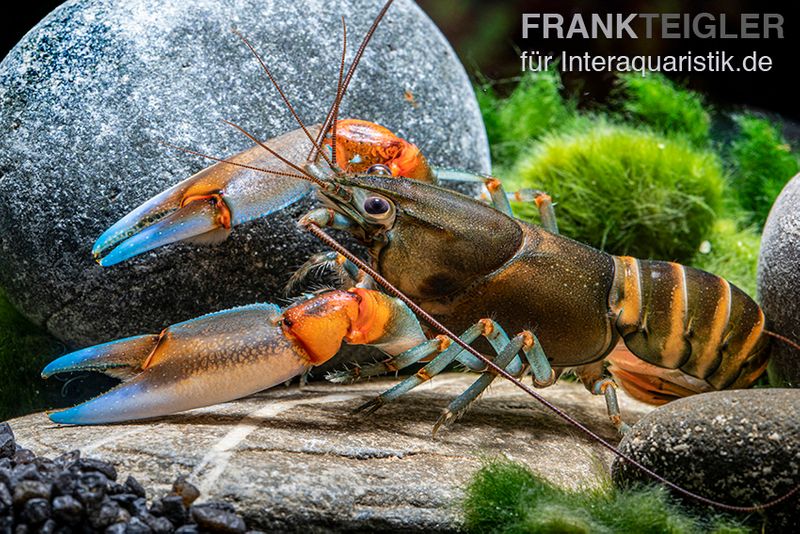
692	331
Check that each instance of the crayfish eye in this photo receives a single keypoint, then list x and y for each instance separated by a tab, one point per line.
380	169
376	206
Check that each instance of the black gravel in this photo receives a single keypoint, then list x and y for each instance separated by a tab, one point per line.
73	494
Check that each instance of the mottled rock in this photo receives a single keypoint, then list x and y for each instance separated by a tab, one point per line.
739	447
36	511
212	519
67	509
8	445
779	282
88	94
298	460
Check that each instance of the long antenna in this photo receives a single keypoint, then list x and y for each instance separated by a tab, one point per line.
283	96
784	339
335	245
351	71
338	99
234	163
309	176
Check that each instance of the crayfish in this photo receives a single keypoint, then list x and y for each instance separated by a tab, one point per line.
470	264
466	263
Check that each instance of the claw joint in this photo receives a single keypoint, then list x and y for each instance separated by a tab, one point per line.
444	343
542	198
488	327
528	341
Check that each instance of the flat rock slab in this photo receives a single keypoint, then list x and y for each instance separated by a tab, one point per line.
298	460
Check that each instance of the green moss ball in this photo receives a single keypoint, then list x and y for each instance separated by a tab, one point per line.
625	190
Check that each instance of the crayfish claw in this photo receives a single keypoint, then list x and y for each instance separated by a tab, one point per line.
215	358
205	207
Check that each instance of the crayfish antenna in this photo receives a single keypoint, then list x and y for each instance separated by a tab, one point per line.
334	109
337	101
289	106
783	339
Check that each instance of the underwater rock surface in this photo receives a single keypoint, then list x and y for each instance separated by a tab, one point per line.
88	94
779	282
299	461
740	447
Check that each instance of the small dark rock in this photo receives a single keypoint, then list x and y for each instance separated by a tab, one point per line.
117	528
115	488
137	526
26	472
91	488
88	465
90	498
170	507
23	456
125	500
213	519
65	483
7	444
739	447
68	459
160	525
49	527
188	491
67	509
105	515
135	487
187	529
31	489
36	511
5	498
45	466
140	507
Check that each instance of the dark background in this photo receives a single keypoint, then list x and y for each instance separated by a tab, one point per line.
487	36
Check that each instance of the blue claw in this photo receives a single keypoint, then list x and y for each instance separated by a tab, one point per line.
203	208
212	359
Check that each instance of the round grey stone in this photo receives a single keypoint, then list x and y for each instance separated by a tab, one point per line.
740	447
88	94
779	282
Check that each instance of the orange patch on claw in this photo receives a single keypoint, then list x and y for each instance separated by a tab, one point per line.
362	144
373	317
223	217
319	325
